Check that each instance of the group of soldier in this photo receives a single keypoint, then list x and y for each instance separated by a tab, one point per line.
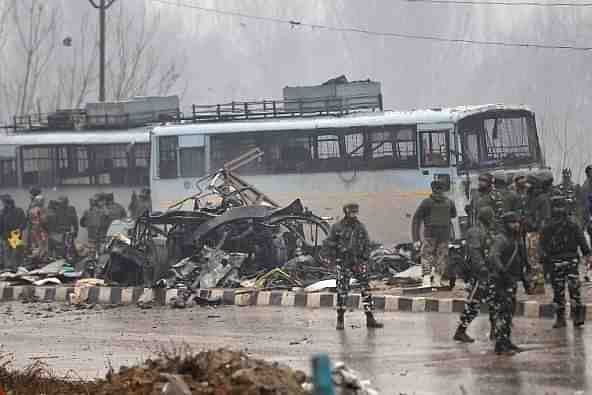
521	229
47	231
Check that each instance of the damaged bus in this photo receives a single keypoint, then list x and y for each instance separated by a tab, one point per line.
384	160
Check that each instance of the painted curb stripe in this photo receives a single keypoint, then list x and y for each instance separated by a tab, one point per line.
130	295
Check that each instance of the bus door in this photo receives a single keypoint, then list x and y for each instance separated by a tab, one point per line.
435	160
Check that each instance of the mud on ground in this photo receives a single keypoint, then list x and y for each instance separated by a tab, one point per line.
220	372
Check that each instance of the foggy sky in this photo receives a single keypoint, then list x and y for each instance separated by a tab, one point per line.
229	58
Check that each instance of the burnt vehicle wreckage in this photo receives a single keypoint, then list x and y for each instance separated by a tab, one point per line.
228	214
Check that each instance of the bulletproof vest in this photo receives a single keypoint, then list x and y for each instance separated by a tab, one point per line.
560	238
62	219
93	218
487	239
498	202
440	212
351	239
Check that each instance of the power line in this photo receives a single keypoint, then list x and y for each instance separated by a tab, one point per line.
296	23
502	3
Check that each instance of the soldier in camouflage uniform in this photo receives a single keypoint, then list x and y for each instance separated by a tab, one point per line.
572	195
506	198
479	241
348	243
561	238
435	212
505	268
486	196
538	210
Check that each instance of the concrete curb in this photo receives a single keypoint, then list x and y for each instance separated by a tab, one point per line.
386	303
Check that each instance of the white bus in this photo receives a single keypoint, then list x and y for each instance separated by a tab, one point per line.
76	164
385	161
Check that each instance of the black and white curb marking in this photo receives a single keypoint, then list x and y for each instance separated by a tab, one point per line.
387	303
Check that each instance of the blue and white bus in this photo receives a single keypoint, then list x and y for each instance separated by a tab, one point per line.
383	160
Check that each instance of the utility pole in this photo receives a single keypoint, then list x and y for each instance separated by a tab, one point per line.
102	6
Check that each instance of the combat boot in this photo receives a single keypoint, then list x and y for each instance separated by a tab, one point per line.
340	319
371	321
560	321
461	335
579	316
503	348
513	347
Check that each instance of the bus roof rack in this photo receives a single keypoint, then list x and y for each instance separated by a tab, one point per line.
290	108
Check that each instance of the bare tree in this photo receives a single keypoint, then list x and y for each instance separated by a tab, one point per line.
134	65
36	25
76	75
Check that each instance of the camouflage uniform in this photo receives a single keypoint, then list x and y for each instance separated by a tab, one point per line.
486	197
538	210
435	212
505	269
349	244
561	239
479	241
63	224
571	193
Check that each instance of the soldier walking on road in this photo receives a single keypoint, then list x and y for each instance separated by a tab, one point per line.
93	220
486	196
505	269
572	194
560	241
538	210
479	242
435	212
348	243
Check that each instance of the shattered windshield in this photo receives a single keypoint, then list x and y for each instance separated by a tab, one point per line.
498	139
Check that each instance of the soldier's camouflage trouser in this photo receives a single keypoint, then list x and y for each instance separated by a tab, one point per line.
434	256
473	306
566	271
345	272
503	298
537	277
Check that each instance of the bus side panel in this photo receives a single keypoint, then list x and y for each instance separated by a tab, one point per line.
388	198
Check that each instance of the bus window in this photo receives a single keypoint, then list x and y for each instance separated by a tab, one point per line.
8	174
392	147
498	137
38	166
192	161
434	149
354	145
328	146
227	147
290	154
167	156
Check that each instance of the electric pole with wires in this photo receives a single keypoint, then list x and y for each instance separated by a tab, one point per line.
102	6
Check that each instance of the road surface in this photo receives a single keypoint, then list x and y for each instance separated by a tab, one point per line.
413	354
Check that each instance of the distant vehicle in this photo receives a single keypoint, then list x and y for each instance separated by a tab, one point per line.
384	160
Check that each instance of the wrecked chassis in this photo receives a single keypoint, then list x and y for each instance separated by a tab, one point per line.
271	236
230	215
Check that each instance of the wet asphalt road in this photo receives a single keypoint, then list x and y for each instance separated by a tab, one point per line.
412	355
